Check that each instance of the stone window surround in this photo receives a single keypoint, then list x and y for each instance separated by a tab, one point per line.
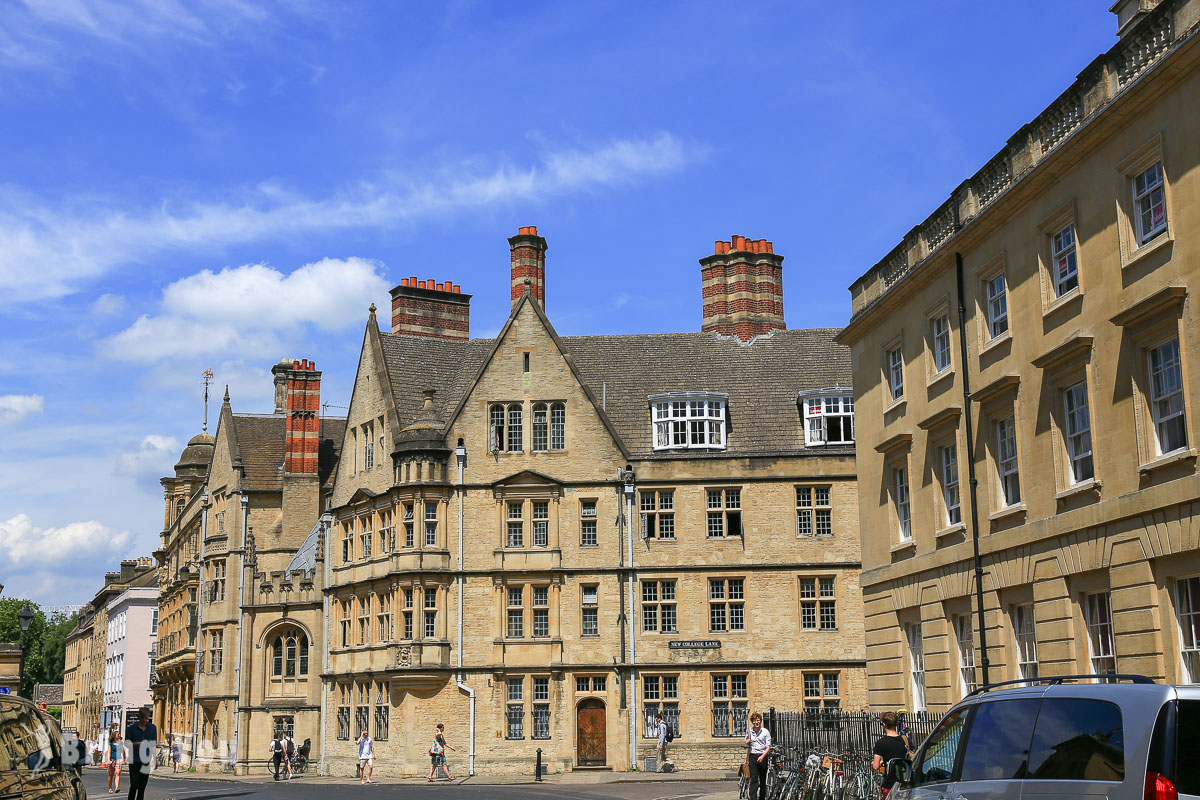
1146	324
1136	162
1063	367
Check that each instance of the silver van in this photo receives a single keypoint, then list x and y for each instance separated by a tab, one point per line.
1060	737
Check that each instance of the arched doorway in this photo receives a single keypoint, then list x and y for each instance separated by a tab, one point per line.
591	745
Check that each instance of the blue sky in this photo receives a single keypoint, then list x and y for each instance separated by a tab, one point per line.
192	185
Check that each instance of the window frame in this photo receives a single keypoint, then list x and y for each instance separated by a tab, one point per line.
949	483
996	317
819	407
916	666
660	597
726	702
1136	243
654	513
720	517
589	522
728	597
814	506
1188	630
1078	439
1024	627
589	609
1157	419
1098	625
675	421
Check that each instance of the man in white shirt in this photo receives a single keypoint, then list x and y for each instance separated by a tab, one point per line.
758	739
366	758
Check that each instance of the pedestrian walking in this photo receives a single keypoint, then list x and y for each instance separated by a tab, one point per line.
141	738
289	752
176	755
277	754
366	758
114	758
890	746
758	739
663	731
437	753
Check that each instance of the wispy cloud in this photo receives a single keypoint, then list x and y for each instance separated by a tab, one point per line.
46	252
250	309
14	407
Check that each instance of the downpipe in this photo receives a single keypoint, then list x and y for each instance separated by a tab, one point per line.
460	453
326	520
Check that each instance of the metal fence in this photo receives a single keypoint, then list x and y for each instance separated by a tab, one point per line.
852	732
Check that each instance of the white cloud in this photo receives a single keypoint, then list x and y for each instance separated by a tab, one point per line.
250	309
46	252
149	460
108	305
14	407
26	547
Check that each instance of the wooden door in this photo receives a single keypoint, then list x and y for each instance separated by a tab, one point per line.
593	738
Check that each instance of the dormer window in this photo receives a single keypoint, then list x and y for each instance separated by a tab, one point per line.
689	420
828	416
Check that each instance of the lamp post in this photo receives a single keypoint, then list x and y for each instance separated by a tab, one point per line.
24	619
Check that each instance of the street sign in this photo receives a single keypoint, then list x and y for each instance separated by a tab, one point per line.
694	644
5	690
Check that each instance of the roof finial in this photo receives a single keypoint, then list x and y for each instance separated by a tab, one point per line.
428	404
372	309
227	394
208	376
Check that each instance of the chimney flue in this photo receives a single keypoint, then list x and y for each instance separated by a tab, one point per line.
528	263
428	308
742	288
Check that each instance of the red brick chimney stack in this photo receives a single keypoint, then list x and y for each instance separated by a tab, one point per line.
302	439
742	287
432	309
528	251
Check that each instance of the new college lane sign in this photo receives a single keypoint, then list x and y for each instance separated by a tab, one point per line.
694	644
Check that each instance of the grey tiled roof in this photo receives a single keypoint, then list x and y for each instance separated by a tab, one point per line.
762	379
260	439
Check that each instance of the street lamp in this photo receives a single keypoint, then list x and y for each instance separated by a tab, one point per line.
24	619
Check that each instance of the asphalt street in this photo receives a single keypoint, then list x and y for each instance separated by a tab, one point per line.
161	788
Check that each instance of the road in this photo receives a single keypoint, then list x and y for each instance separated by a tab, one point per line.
302	789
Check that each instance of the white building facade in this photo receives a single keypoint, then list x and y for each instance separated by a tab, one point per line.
132	631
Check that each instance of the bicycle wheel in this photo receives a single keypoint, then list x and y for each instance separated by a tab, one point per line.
300	765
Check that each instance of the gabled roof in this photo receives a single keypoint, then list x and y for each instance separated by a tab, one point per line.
260	442
762	378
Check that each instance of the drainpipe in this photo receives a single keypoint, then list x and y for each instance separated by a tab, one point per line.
622	620
326	521
460	453
633	718
199	640
973	482
237	665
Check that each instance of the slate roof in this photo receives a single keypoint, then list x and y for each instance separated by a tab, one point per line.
260	439
762	379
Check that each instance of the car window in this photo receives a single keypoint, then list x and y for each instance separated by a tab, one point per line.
1187	745
25	739
937	757
1078	740
998	745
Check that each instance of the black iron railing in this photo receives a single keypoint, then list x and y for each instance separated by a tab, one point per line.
852	732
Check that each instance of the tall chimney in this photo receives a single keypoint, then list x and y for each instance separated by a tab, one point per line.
302	437
742	287
279	373
528	251
432	309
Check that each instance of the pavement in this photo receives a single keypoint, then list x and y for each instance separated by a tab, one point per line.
581	785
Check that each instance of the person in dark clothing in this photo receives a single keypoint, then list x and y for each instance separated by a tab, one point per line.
277	754
891	745
141	739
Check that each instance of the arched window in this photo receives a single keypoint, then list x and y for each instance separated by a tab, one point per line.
179	508
497	424
289	654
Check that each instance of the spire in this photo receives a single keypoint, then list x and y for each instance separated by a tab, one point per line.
227	394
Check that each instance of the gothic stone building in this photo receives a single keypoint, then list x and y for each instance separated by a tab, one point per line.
482	568
241	616
1079	260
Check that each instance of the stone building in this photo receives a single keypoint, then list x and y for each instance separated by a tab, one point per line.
87	646
241	559
10	667
77	671
482	569
1079	265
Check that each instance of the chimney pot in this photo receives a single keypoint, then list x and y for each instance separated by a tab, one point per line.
412	281
404	281
420	284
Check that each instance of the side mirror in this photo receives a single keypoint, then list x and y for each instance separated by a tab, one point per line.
899	770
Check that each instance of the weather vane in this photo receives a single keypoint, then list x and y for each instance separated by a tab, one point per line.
208	376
